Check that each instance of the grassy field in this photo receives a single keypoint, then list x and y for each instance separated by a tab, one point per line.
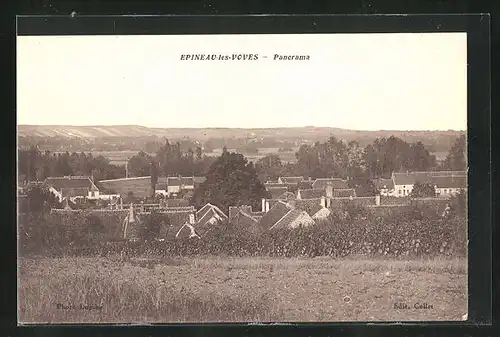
214	289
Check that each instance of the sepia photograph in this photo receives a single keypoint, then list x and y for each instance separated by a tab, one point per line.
242	178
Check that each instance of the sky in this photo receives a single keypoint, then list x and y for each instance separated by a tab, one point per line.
352	81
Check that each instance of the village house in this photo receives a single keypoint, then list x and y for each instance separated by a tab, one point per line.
336	183
283	215
448	186
242	217
174	185
187	231
179	220
384	186
316	208
276	192
445	182
209	215
161	189
187	183
274	184
72	187
342	193
290	180
311	194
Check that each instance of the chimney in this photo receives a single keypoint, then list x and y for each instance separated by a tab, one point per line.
377	200
233	210
329	190
263	205
121	203
142	206
267	206
328	202
323	201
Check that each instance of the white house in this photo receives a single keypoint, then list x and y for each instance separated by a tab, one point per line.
73	187
444	182
448	186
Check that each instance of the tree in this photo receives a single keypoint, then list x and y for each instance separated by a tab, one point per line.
269	167
456	160
40	199
423	190
198	153
231	180
140	164
387	155
421	159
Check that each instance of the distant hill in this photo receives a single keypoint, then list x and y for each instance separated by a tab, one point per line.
309	132
135	138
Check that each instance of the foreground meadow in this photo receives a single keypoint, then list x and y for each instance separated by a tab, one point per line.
167	290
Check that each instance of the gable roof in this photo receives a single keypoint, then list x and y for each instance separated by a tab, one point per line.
310	206
275	192
287	220
207	208
291	180
243	218
207	216
276	212
286	196
161	187
187	181
174	181
344	192
187	231
383	183
322	183
450	182
305	185
274	185
410	178
69	182
272	182
273	202
312	193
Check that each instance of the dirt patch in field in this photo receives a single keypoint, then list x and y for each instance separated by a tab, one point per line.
293	289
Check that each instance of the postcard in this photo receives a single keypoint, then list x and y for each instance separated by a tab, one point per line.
242	178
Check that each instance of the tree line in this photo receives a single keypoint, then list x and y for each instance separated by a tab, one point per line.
35	165
348	160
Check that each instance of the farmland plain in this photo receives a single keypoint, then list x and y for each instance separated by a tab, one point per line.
121	157
217	289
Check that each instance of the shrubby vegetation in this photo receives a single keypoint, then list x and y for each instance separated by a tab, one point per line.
415	230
